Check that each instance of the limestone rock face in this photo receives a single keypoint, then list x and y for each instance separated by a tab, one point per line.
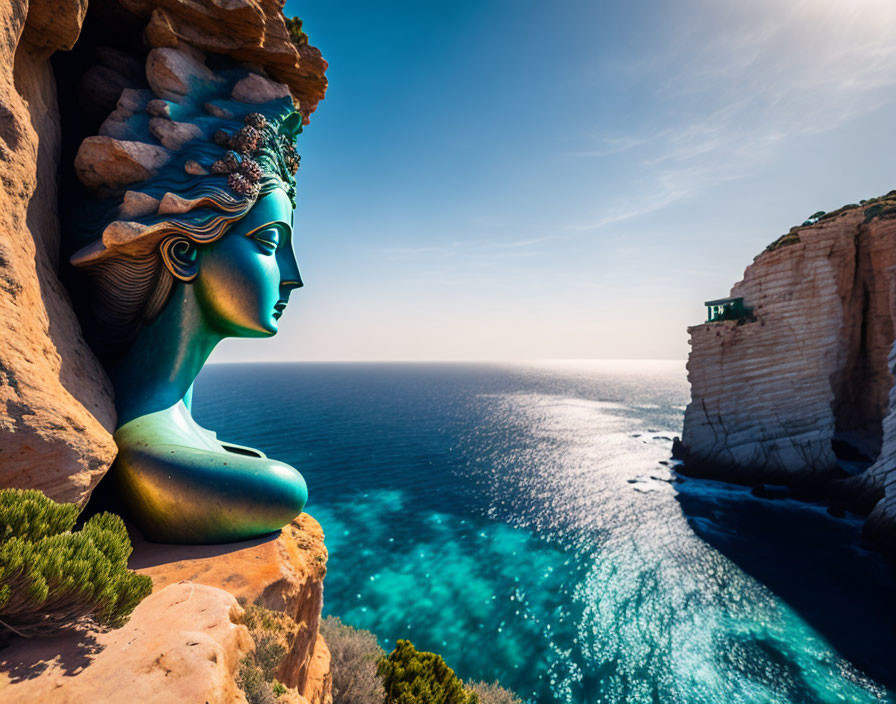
284	573
182	644
56	409
772	398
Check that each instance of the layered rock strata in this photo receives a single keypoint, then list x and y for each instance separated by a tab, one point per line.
789	392
251	31
56	412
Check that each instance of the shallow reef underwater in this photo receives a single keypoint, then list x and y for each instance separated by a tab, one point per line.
518	520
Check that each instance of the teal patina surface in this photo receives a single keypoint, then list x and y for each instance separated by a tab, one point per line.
198	251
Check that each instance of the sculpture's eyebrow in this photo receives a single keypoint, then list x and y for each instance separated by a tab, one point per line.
279	224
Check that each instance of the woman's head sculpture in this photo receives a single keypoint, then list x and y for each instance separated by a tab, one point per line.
188	240
215	159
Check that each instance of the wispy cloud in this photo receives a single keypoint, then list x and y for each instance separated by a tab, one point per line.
737	85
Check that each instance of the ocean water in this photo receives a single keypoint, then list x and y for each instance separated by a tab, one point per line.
518	519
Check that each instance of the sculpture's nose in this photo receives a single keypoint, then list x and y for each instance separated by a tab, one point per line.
290	277
290	284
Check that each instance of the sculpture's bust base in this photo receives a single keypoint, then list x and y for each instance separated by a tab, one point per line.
183	643
181	485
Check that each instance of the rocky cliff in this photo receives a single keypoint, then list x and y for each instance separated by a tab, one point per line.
798	391
56	413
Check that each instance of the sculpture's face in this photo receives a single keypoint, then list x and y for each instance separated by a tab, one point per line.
244	279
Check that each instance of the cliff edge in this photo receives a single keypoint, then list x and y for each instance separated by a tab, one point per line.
798	388
188	640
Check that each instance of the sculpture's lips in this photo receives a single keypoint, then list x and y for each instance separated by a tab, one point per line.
278	309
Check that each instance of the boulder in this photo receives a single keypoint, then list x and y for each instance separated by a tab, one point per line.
171	73
258	89
106	161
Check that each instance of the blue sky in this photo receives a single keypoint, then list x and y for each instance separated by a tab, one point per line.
522	180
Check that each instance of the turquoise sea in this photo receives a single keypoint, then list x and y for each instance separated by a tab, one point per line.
521	520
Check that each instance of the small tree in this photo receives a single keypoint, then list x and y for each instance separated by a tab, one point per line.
51	578
414	677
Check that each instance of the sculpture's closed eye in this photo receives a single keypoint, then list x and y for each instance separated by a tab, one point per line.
268	238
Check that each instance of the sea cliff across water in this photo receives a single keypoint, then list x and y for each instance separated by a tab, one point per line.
798	389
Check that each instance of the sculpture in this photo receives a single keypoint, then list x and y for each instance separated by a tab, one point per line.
187	243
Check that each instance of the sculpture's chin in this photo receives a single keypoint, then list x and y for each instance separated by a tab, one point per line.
263	328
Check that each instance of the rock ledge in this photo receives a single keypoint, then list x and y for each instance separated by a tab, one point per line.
184	642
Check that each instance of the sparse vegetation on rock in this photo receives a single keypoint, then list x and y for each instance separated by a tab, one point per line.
296	35
273	633
362	674
354	654
53	578
493	693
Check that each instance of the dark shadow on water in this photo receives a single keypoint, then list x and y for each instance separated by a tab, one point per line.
811	560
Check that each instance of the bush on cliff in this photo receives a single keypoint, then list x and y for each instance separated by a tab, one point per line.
53	578
415	677
296	35
273	633
354	654
492	693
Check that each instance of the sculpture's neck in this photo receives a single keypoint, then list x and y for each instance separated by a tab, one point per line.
169	352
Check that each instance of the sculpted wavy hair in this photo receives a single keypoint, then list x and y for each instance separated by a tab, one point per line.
206	157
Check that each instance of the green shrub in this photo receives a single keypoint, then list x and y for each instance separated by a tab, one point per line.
414	677
53	579
251	679
354	654
296	35
273	633
492	693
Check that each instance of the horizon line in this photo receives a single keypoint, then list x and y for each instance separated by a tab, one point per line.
538	360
